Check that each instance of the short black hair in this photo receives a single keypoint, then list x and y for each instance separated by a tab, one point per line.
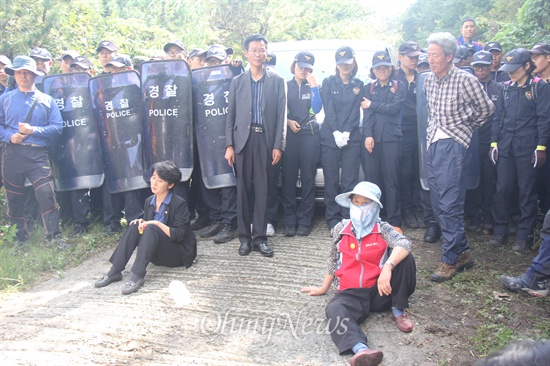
468	19
252	38
168	171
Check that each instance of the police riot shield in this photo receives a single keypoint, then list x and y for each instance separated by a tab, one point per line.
116	101
75	154
210	93
472	179
167	115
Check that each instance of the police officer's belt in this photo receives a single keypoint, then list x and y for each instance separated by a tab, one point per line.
257	128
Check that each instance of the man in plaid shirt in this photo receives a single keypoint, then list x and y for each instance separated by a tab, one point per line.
457	105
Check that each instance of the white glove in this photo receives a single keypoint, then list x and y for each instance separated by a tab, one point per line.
345	139
346	136
338	138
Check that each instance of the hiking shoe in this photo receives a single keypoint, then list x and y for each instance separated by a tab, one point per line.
410	220
474	224
534	287
465	261
211	230
290	230
444	272
200	223
433	233
227	233
523	245
270	230
498	240
303	230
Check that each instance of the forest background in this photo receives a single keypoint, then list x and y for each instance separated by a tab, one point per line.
142	27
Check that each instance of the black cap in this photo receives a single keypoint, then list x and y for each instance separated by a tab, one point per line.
410	48
514	59
422	59
216	52
227	50
381	58
71	53
461	54
493	46
120	60
108	45
305	60
270	59
344	55
41	53
540	49
197	52
82	61
471	47
175	43
482	58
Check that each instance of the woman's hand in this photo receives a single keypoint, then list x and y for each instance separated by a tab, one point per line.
311	80
313	291
384	286
369	144
365	104
136	222
294	126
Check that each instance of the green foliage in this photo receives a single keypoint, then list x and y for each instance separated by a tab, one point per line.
490	337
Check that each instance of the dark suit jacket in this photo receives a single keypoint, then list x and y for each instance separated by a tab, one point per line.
239	115
176	217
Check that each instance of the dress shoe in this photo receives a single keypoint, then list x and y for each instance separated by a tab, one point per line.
211	230
303	230
368	357
403	323
131	287
227	233
264	249
433	233
106	280
245	249
290	230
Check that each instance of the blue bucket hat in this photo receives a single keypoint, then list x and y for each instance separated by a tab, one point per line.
365	189
23	63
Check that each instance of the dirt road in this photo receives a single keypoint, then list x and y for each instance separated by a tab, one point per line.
243	311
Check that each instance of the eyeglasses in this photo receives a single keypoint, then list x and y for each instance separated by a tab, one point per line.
174	53
481	67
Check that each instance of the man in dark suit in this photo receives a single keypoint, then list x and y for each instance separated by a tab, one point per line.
254	141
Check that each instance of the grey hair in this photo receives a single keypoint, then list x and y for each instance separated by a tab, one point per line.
446	41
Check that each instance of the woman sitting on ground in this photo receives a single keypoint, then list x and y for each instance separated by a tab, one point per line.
375	269
164	235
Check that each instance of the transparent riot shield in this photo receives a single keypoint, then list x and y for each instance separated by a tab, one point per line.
167	115
210	101
75	154
116	100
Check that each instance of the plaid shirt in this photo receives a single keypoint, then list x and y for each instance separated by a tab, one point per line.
457	104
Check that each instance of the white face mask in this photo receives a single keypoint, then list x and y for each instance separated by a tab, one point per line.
364	217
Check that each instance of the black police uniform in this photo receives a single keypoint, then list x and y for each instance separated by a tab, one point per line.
479	200
520	125
302	153
341	103
409	168
382	122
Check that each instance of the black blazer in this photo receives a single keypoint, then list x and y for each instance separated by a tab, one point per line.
239	114
176	217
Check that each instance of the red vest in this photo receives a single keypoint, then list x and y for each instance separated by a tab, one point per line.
360	262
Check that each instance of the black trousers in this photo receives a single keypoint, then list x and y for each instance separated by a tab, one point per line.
333	159
154	246
381	167
20	162
349	308
409	174
115	203
301	154
74	207
253	175
222	204
512	170
480	200
273	191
